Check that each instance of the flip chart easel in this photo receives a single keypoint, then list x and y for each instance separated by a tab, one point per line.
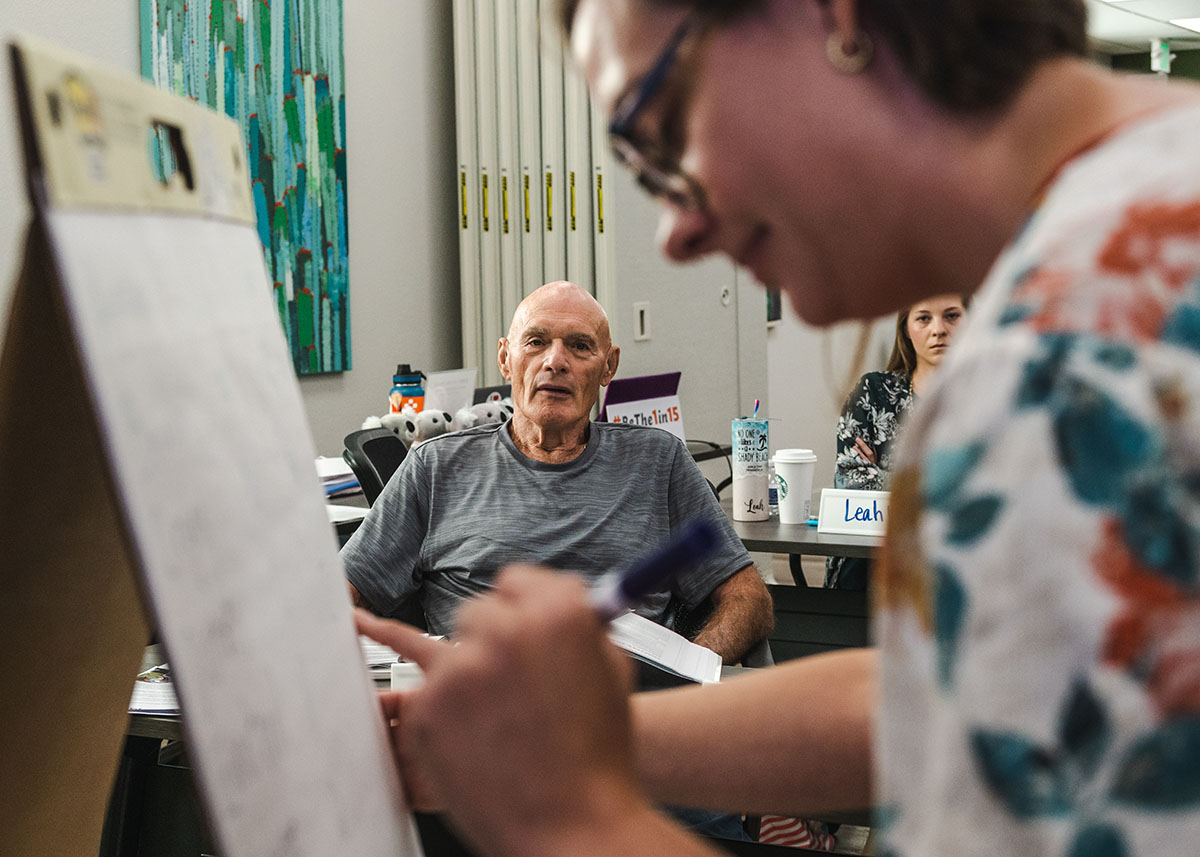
157	471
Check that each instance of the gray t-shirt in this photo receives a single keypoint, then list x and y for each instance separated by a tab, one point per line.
465	504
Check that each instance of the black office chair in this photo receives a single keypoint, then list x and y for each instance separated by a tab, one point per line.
809	621
373	455
482	393
704	450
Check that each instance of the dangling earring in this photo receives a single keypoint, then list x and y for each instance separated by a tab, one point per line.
853	61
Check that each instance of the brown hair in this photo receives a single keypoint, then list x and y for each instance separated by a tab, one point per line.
904	355
968	56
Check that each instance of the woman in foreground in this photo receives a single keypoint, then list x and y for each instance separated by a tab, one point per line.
1036	687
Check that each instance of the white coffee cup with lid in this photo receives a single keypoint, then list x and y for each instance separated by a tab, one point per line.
794	470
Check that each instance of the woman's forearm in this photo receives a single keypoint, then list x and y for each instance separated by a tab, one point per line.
793	738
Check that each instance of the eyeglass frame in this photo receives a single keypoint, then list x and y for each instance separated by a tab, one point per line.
658	180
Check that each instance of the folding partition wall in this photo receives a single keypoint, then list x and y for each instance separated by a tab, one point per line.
532	161
539	200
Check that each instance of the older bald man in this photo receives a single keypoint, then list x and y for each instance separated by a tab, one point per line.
550	486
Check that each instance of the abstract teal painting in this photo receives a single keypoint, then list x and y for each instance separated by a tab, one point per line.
276	66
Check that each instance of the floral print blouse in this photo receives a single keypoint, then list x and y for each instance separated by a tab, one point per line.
1037	604
872	414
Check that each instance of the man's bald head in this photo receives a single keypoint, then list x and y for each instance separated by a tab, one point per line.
571	298
557	355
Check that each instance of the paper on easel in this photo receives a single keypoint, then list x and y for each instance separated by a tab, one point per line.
156	292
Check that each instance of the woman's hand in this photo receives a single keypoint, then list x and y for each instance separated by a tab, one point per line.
864	450
399	636
521	731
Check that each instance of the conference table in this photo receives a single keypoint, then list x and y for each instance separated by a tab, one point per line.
771	536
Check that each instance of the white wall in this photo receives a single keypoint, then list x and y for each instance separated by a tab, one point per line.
809	373
104	30
400	146
719	346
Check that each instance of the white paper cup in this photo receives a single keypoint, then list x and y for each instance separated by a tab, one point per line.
794	469
750	470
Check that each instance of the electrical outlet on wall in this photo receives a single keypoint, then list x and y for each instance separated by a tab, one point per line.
641	321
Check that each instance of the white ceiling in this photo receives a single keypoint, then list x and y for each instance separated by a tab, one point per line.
1122	28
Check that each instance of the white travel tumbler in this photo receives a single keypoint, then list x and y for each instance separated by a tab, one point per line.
750	454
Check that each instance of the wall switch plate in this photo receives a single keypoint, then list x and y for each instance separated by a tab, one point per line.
641	321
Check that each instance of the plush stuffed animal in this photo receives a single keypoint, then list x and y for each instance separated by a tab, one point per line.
464	418
505	404
403	424
481	414
412	427
430	424
489	412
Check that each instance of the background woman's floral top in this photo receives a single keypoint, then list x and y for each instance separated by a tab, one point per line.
872	414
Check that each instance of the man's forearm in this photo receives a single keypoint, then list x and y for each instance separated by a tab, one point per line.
791	739
356	598
742	615
729	635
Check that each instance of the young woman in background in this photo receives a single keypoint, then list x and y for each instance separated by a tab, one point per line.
874	410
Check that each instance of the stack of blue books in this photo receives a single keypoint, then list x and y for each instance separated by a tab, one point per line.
337	478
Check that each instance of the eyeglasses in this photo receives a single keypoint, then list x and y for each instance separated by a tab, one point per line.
657	172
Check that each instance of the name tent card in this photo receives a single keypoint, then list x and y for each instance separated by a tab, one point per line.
848	512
